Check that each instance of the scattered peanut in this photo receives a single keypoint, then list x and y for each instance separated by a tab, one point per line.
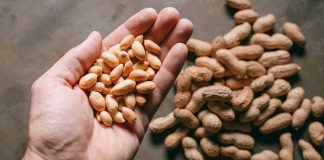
265	155
301	114
235	153
309	152
239	4
280	121
264	24
246	15
292	31
287	147
200	48
293	100
316	133
318	106
190	149
239	140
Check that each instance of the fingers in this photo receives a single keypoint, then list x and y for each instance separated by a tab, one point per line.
180	34
165	77
77	60
136	25
165	22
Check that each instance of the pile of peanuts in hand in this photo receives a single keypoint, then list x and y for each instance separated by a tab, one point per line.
119	79
233	89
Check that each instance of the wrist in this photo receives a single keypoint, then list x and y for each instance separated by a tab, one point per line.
30	155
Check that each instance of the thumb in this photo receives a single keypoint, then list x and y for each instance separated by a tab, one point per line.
77	60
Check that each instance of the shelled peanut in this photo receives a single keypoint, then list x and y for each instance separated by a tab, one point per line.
116	85
234	89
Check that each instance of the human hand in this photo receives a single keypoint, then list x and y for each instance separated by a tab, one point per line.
62	124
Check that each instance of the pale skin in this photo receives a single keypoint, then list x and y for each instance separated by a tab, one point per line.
62	124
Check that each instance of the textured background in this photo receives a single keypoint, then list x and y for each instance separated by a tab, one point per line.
36	33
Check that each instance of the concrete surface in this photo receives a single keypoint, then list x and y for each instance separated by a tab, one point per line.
36	33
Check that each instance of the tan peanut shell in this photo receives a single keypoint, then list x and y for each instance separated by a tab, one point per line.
237	34
235	153
249	52
293	31
300	116
294	98
255	69
217	43
199	74
199	47
210	148
262	83
212	64
277	122
273	58
88	81
239	4
123	87
175	138
201	132
222	110
191	152
245	15
97	101
284	71
308	151
242	99
316	133
287	147
197	100
163	123
234	83
211	122
187	118
152	47
237	126
220	93
239	140
106	118
279	88
264	24
138	50
274	103
265	155
257	105
276	41
127	42
236	66
318	106
110	59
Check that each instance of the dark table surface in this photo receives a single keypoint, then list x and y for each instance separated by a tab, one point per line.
36	33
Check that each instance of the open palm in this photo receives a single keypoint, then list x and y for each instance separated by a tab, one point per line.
62	125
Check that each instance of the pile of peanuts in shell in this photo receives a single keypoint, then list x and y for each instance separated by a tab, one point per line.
233	89
120	78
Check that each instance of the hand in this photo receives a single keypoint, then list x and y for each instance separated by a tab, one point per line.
62	125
